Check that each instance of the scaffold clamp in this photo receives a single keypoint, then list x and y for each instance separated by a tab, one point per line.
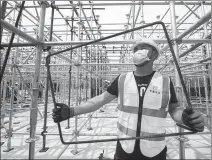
182	139
43	133
77	64
76	133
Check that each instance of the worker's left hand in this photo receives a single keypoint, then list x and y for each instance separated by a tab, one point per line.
193	119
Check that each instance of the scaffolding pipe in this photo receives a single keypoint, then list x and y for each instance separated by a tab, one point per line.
201	21
75	151
44	148
36	10
33	51
69	43
207	2
37	20
92	15
86	134
77	14
12	101
177	79
211	83
33	112
63	31
95	20
13	77
11	42
2	16
133	20
13	29
70	69
60	6
114	64
87	20
194	47
21	127
160	20
187	51
75	135
190	10
3	6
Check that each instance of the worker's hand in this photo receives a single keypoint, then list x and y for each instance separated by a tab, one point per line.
62	112
193	119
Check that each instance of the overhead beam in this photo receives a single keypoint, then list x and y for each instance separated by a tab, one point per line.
187	41
194	47
200	22
13	29
207	2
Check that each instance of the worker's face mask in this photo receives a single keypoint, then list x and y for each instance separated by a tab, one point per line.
141	57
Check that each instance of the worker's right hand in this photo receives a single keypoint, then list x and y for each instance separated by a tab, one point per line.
62	112
193	119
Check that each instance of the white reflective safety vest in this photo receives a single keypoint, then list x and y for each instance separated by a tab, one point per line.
154	112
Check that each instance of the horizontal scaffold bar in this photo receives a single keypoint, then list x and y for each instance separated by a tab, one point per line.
103	42
109	64
22	34
207	2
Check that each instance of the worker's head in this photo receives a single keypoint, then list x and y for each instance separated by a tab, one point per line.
145	51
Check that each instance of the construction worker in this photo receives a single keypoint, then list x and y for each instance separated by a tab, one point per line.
16	88
144	99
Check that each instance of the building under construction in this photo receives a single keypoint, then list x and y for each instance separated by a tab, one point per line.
71	51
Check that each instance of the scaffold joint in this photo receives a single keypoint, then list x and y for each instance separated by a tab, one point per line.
76	133
44	2
43	133
46	48
182	139
31	140
77	64
35	89
178	41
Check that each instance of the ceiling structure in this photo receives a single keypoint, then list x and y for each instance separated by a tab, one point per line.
90	20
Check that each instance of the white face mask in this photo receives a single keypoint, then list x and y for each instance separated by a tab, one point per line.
140	57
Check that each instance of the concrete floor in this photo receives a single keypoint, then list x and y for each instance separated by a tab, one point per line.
197	146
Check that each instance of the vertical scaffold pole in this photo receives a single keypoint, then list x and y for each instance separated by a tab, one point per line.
211	82
44	148
205	67
133	21
33	111
75	151
70	69
90	82
142	18
199	89
14	61
3	5
177	80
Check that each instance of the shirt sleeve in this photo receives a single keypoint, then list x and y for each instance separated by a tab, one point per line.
173	98
113	87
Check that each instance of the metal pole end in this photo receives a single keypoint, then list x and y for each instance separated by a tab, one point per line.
44	2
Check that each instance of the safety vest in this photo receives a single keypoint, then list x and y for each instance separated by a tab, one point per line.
154	112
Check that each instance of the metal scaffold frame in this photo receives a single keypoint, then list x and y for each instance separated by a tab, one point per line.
82	73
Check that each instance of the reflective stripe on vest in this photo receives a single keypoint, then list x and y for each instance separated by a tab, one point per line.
148	112
132	133
154	112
